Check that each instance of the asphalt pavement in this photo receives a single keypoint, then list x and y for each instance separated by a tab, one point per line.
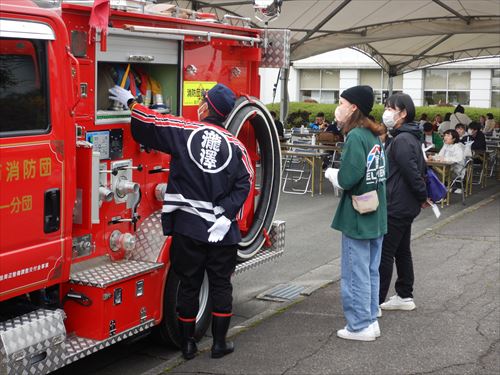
453	330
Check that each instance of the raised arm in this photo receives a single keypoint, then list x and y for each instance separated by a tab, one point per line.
150	128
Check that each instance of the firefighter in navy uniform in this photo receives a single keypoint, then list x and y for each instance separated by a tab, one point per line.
210	178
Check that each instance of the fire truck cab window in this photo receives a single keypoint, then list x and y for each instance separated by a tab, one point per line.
23	87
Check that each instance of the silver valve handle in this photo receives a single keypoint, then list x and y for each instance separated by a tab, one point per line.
119	240
138	168
124	187
114	171
105	194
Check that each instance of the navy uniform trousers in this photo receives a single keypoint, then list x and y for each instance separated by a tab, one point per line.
190	259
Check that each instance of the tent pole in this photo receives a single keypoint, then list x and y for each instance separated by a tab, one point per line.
389	84
285	72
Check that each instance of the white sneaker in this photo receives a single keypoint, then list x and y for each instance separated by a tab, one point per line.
458	191
379	313
366	334
375	328
398	303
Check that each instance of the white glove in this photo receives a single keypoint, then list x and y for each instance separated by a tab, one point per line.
120	95
219	210
219	229
332	175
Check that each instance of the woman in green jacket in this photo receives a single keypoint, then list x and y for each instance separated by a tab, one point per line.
363	169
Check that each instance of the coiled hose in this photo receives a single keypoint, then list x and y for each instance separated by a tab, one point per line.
252	110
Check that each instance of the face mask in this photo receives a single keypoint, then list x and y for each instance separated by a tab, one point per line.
470	132
341	115
388	119
201	110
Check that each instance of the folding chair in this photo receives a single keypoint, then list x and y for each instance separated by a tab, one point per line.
463	178
480	170
296	171
335	162
492	161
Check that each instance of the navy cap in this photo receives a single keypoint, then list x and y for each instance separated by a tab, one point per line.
221	99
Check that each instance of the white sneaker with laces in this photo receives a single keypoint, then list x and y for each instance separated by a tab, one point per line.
376	328
398	303
366	334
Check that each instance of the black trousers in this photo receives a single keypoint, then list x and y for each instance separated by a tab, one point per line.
396	248
190	259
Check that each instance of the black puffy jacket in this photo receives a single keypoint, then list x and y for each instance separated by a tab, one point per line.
406	188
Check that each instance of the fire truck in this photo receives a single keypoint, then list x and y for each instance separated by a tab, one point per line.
83	260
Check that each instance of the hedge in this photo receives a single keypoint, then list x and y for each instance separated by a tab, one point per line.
302	113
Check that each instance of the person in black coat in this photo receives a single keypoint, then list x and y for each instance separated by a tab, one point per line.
406	194
278	124
477	135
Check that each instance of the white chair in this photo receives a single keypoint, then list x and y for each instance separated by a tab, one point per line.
480	170
296	171
335	162
462	178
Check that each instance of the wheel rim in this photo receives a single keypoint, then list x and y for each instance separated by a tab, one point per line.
203	298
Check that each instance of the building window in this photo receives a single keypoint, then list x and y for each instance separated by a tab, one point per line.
379	82
495	88
443	86
321	85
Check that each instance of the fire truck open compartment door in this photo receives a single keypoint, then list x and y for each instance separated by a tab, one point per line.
147	65
33	142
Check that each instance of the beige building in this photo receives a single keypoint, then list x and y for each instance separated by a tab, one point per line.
474	83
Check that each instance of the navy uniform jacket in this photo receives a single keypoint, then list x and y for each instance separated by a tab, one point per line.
210	172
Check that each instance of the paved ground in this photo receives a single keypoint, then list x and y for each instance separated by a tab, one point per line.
454	330
311	260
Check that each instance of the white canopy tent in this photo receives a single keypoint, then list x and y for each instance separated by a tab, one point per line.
400	35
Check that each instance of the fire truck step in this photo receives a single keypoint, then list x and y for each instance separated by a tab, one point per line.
78	347
32	343
102	272
277	237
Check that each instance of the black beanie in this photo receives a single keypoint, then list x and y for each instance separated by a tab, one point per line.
362	96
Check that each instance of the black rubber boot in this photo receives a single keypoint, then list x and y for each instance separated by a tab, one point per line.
188	343
220	326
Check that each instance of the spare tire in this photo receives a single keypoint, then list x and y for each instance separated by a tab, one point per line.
255	112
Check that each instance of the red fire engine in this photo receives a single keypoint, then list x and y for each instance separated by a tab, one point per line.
83	261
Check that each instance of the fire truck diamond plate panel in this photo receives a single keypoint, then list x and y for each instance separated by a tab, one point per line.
80	347
277	235
277	53
32	343
111	272
150	239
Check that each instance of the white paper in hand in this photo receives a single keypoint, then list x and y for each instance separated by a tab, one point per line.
425	149
436	210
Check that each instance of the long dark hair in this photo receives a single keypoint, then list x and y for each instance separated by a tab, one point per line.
359	120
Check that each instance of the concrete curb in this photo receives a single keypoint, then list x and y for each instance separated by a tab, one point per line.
454	217
332	268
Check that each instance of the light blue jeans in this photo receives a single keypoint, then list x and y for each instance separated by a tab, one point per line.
359	283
